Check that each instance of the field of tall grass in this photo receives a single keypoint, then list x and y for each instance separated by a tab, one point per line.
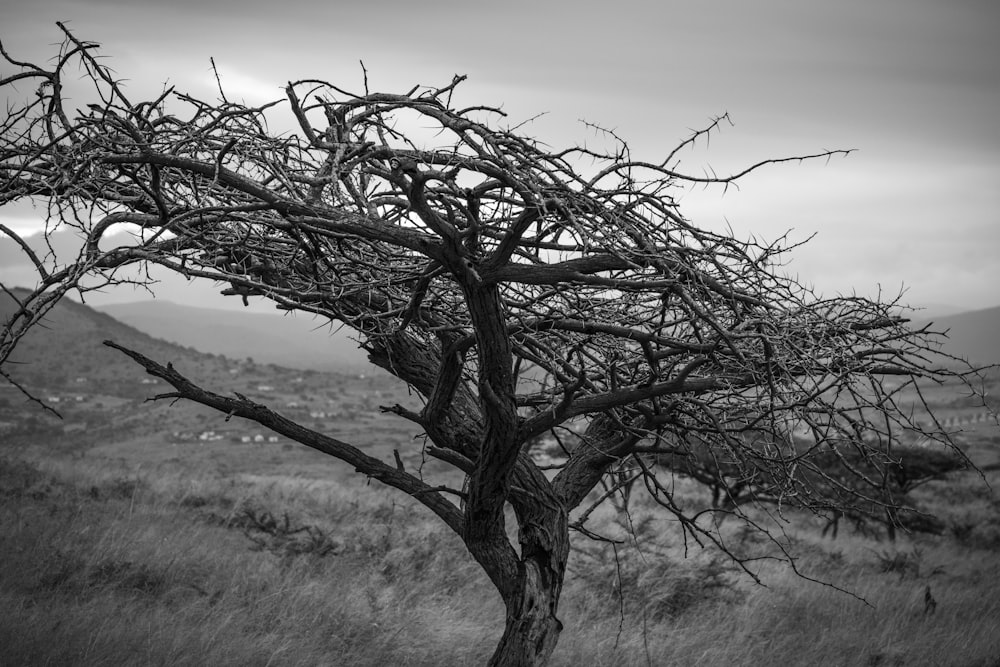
107	564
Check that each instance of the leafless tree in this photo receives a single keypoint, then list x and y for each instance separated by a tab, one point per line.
520	290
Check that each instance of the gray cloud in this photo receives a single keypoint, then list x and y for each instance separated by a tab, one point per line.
913	83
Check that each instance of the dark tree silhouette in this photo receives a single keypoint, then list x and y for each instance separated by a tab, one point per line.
521	291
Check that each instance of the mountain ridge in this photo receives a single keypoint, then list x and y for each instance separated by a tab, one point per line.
286	340
974	335
66	350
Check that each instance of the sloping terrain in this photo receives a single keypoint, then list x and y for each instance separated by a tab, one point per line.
291	341
974	335
101	395
67	351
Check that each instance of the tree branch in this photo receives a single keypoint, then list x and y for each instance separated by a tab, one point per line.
242	407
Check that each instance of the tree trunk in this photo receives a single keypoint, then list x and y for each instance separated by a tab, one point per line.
531	628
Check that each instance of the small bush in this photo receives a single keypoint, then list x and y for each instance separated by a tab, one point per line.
19	479
116	489
976	534
194	501
903	563
281	536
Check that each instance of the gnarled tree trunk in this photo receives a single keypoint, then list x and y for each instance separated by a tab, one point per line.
531	627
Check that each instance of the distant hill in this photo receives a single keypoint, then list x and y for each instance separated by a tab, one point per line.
933	311
294	341
101	393
66	350
974	335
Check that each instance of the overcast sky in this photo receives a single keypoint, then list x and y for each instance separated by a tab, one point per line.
913	85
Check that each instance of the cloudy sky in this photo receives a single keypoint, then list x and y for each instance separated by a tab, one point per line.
913	85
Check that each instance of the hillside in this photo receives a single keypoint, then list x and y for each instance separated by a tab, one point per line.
101	395
974	335
291	341
67	352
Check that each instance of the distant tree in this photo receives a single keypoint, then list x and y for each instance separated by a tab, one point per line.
520	290
840	477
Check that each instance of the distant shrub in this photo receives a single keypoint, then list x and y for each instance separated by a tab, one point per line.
194	501
22	479
977	533
117	489
211	499
903	563
282	536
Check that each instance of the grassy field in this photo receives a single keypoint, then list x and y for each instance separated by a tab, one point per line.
212	556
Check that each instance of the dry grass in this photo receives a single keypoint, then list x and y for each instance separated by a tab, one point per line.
106	565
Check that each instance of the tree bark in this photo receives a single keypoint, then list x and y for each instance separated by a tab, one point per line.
531	627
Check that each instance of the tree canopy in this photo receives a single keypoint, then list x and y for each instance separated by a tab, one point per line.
524	292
